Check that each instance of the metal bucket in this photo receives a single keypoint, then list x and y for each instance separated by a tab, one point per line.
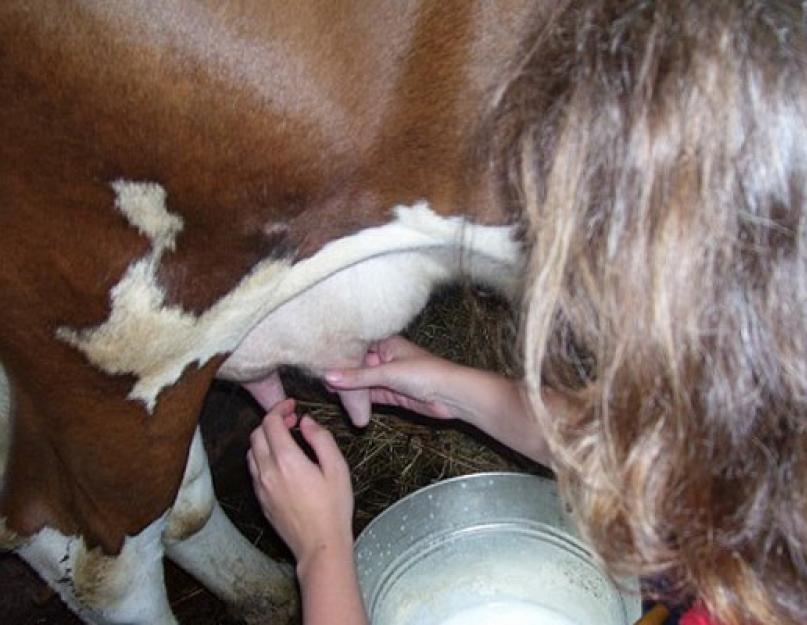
489	548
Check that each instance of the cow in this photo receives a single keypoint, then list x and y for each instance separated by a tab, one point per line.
195	188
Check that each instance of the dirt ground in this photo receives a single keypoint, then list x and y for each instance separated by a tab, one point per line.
395	455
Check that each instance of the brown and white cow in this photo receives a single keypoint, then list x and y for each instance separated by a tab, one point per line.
190	184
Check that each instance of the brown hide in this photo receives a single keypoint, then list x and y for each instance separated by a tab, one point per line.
316	115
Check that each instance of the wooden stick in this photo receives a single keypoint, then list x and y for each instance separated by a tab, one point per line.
655	616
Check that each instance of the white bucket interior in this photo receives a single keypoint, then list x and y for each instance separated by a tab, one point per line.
484	549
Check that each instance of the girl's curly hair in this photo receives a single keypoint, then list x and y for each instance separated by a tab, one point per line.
659	153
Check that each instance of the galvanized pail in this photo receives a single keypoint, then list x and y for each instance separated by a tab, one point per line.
485	549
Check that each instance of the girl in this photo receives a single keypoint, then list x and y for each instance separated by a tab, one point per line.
657	155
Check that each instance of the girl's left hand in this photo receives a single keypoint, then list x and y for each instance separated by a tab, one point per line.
310	504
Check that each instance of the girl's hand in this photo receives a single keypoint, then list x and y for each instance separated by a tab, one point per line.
399	373
310	504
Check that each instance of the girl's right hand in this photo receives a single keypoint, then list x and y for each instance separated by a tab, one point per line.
399	373
310	504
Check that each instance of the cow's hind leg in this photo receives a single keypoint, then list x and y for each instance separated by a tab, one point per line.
105	590
202	540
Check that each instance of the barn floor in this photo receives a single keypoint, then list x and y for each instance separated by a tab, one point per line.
391	458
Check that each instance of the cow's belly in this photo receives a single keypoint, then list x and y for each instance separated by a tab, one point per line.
332	323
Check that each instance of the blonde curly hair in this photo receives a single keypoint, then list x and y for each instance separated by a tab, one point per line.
658	151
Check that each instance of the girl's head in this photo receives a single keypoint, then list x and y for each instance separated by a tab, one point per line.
658	151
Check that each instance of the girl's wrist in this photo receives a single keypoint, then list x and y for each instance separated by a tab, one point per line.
477	396
454	393
325	553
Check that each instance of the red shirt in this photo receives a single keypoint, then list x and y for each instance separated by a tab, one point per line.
696	616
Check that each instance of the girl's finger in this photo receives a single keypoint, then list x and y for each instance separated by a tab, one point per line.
283	408
261	438
252	465
396	347
259	446
372	359
367	377
279	439
329	456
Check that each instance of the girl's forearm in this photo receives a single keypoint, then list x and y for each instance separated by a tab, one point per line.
330	588
499	407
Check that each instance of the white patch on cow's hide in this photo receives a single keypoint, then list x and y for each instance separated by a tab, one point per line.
201	539
143	204
5	394
234	569
155	342
9	539
5	421
195	499
127	588
145	337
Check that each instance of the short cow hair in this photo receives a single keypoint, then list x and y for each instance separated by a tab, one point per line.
659	153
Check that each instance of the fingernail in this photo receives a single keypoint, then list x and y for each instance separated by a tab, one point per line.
333	377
